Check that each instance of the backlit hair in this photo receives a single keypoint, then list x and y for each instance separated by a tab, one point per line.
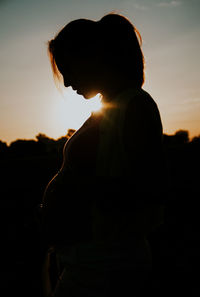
113	39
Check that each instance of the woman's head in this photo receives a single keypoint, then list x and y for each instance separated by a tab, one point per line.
93	56
71	53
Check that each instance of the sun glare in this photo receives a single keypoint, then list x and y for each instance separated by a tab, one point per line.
70	110
95	104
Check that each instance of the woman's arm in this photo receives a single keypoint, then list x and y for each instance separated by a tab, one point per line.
143	127
143	144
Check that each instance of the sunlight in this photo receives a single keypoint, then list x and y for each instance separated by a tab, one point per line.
94	104
70	110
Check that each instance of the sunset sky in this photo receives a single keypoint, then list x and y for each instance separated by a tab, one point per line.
30	103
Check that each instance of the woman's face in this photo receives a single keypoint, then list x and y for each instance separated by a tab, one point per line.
81	74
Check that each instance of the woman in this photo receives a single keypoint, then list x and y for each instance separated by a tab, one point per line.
108	192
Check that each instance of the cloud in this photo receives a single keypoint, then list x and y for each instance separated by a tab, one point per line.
174	3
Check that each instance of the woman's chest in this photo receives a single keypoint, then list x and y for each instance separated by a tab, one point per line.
80	151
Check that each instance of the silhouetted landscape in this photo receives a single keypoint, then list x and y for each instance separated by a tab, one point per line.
28	165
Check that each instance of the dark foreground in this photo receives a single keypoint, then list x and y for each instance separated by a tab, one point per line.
175	245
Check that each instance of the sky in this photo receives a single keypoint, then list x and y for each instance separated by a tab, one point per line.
30	102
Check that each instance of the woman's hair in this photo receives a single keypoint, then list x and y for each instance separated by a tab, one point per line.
113	39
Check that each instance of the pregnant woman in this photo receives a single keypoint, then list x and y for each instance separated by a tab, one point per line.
108	195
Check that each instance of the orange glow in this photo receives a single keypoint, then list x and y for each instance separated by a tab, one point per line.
95	103
69	110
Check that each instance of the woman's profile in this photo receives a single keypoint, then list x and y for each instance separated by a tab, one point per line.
107	196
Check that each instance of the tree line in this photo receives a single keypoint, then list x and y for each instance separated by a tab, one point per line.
46	145
41	145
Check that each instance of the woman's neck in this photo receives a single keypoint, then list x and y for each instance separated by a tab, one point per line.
109	94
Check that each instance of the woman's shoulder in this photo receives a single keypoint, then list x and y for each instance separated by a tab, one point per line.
142	98
142	113
141	105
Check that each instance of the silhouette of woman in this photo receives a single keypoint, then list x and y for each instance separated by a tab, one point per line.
107	196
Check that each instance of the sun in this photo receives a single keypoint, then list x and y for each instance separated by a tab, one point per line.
94	104
70	111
